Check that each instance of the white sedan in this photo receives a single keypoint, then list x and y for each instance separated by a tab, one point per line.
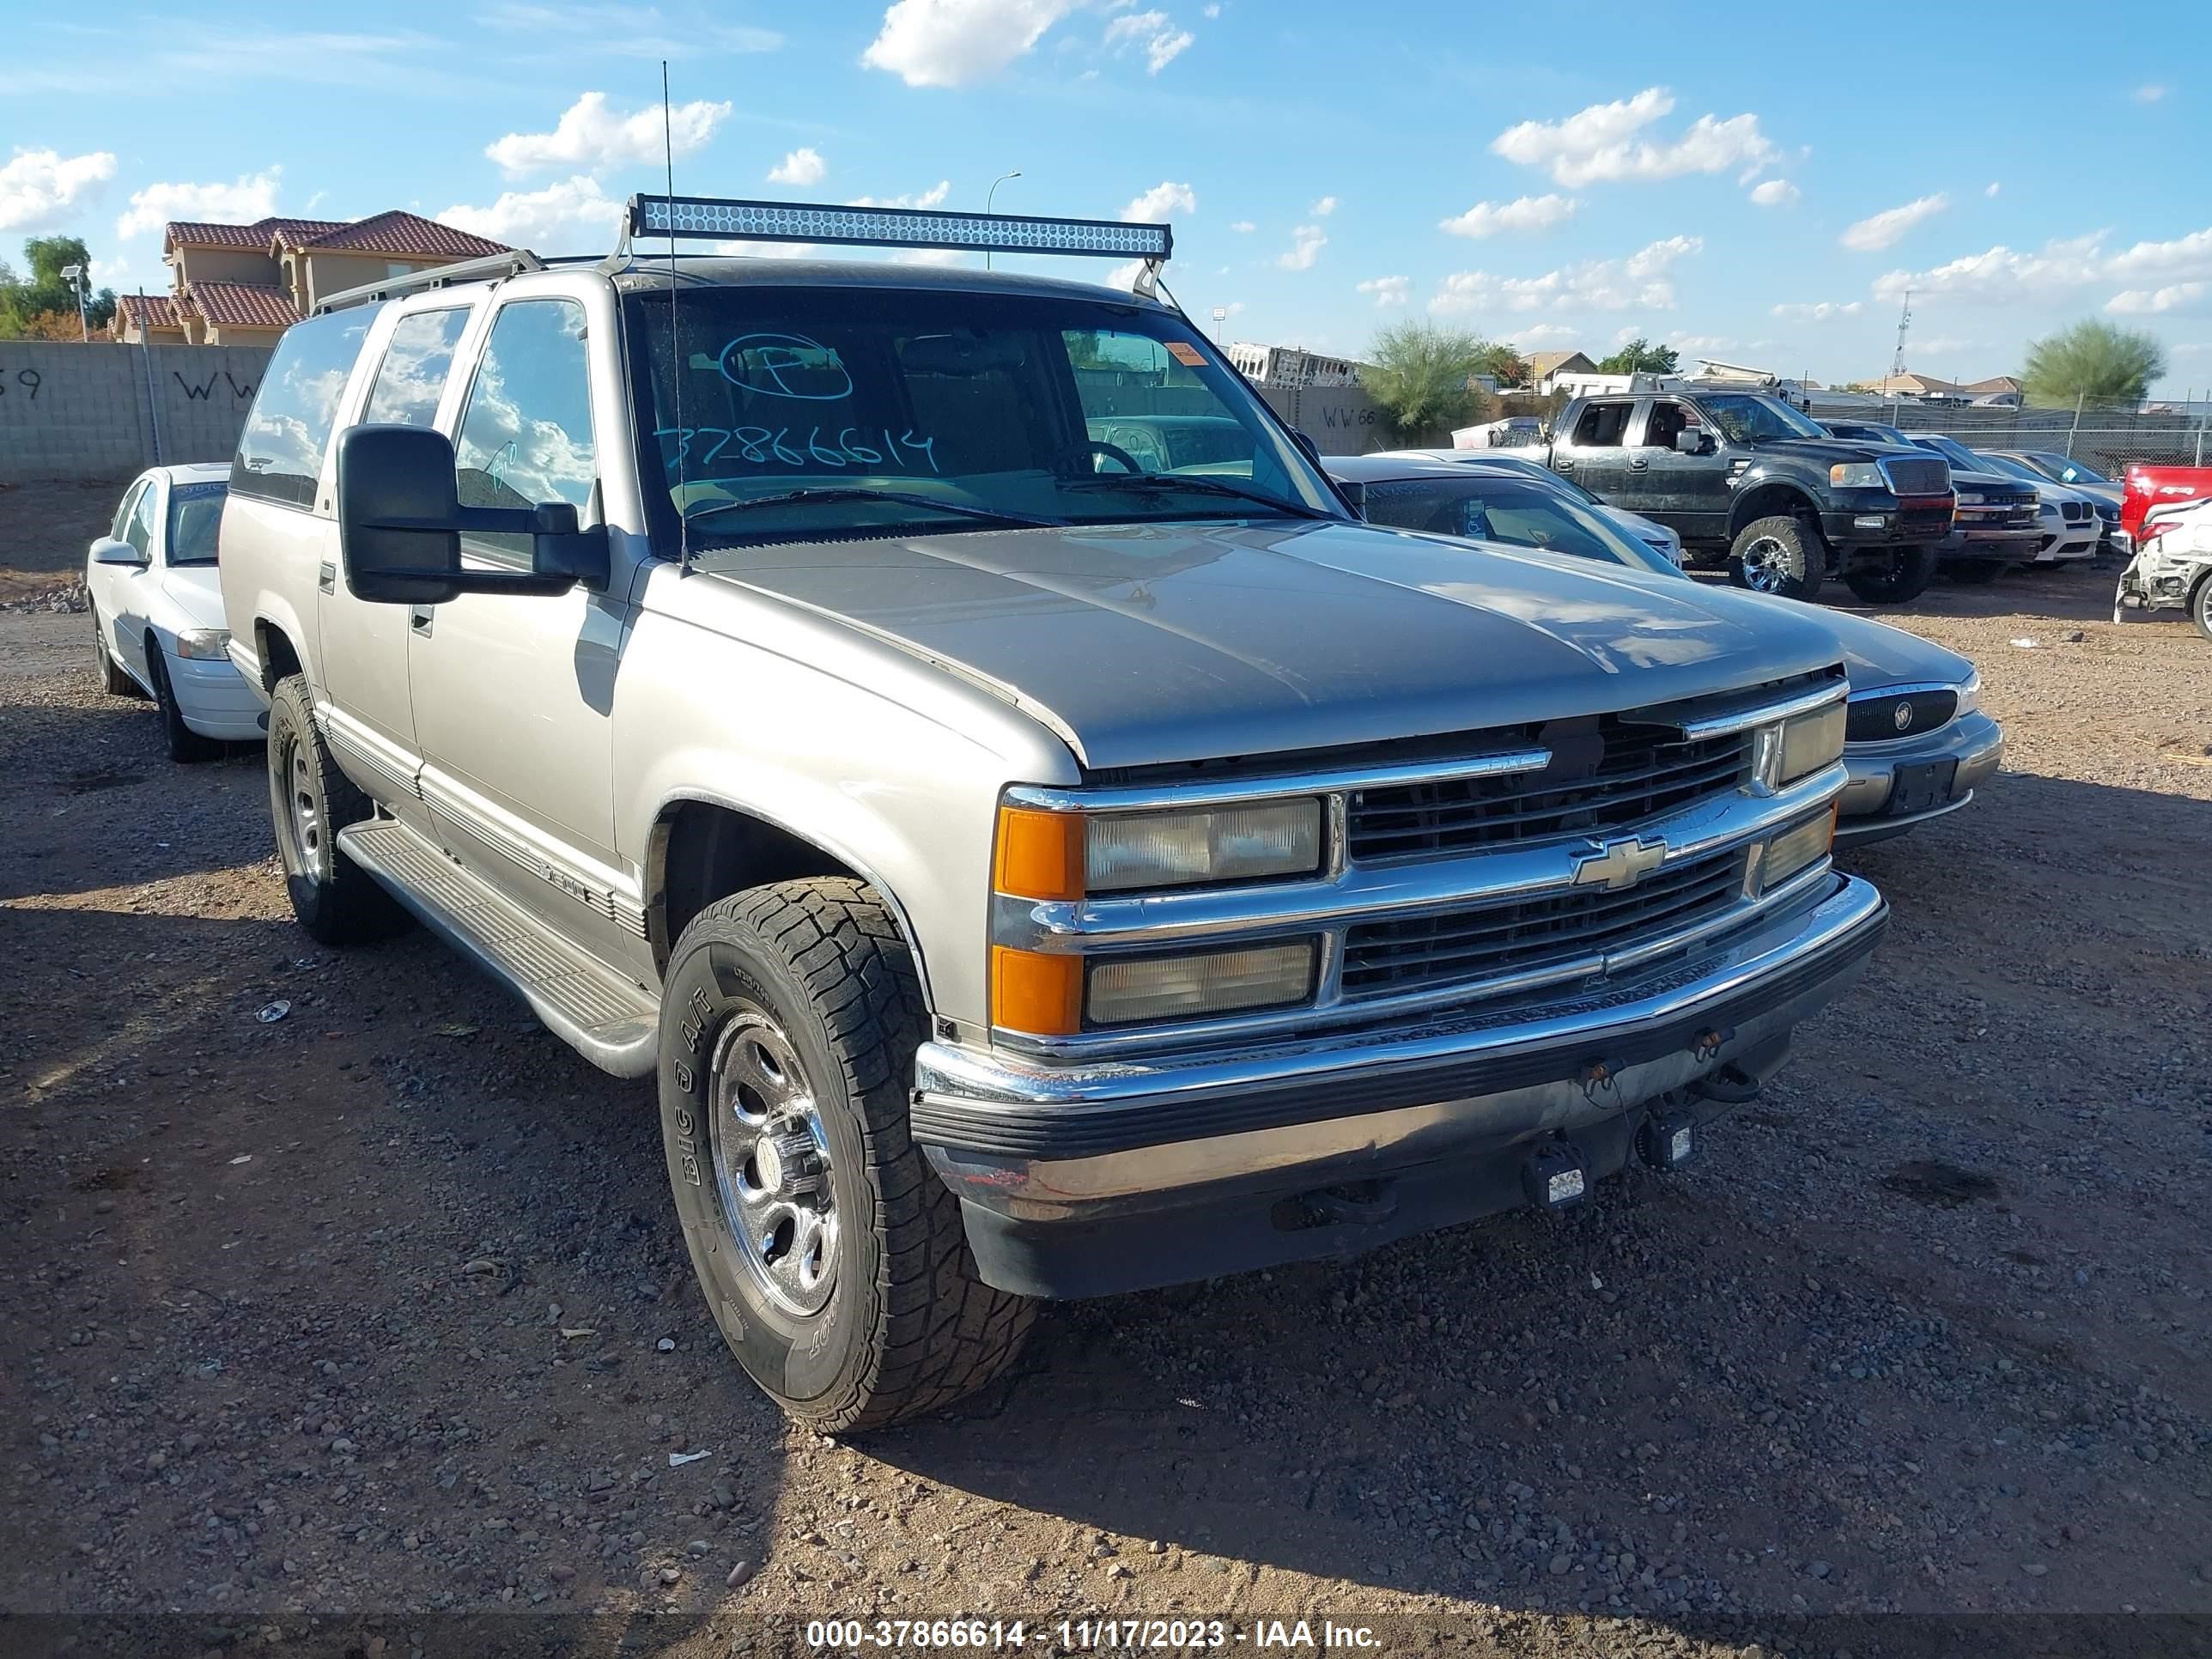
157	610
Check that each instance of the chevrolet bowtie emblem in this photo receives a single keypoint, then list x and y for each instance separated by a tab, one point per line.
1622	864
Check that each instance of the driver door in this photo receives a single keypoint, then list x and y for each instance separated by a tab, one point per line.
1687	493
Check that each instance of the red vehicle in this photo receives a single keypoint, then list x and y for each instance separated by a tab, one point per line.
2158	486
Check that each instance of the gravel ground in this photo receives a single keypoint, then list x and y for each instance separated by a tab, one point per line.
318	1327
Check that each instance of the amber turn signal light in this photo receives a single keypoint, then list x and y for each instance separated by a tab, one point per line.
1039	854
1039	994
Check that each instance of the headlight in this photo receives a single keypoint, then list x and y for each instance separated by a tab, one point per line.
1809	743
1971	498
1797	848
1067	855
205	643
1970	693
1191	987
1857	475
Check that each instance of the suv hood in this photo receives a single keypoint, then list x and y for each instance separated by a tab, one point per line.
1157	642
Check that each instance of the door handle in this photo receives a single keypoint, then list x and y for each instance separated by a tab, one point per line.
1563	466
419	618
327	579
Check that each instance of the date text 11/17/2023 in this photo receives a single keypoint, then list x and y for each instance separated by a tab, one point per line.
1088	1635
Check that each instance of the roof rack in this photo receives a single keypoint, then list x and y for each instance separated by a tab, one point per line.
512	263
715	219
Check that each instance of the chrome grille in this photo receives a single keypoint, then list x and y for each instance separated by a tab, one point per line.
1605	772
1465	947
1873	719
1916	477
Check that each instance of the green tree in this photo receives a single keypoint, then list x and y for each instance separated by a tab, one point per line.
1417	373
45	290
1640	357
2094	362
1504	364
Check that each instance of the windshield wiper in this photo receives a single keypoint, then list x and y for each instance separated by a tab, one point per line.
1159	481
854	493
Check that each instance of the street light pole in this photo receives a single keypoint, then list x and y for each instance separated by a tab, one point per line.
74	276
988	196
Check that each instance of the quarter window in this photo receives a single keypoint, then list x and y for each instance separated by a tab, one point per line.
139	532
130	506
1602	426
526	436
412	376
280	453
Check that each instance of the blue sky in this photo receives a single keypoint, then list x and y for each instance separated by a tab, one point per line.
1760	190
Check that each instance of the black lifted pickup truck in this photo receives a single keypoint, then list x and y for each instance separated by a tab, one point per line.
1742	474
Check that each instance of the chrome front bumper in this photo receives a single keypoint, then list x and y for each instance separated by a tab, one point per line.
1091	1152
1973	745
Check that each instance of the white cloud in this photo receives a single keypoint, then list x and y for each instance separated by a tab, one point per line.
1243	226
1306	244
1323	208
244	200
1601	142
2150	93
1124	277
1775	192
2144	302
934	196
1154	207
1210	12
1700	342
802	166
1991	188
2184	256
1155	30
38	186
2001	274
930	256
1233	309
1541	334
590	138
572	216
1389	290
611	28
1640	282
1522	213
951	43
1820	311
1881	230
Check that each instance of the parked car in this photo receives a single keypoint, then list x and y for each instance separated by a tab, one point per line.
1917	743
157	620
1998	523
1025	872
2083	479
1745	473
1650	532
2172	569
2066	521
2148	487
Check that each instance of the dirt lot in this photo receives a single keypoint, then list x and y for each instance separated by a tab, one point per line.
45	529
318	1328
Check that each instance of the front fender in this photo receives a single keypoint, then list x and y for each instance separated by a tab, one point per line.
1770	476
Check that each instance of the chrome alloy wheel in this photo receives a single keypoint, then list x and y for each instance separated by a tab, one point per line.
772	1163
1769	566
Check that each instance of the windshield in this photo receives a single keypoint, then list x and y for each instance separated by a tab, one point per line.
1749	420
1866	433
2069	471
2010	468
864	411
195	515
1500	509
1952	451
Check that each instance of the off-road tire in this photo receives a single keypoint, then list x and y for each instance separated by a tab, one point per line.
186	746
114	678
909	1326
1973	573
1801	550
1898	577
335	899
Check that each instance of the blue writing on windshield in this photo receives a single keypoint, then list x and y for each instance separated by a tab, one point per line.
786	366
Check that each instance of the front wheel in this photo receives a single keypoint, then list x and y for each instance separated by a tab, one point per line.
2200	607
832	1258
1895	576
1779	554
184	745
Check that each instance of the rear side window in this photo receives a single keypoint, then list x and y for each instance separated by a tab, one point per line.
1602	426
280	453
412	376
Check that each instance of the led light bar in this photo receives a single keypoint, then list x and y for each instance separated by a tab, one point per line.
710	218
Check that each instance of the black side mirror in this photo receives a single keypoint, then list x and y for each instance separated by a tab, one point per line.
400	526
1305	441
1354	494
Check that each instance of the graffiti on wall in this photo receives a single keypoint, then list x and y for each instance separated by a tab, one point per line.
199	393
25	382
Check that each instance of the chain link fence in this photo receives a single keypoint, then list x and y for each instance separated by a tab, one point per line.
2107	439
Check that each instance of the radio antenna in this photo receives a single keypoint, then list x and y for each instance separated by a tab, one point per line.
674	339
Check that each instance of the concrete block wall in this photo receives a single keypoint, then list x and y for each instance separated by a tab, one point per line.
102	412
